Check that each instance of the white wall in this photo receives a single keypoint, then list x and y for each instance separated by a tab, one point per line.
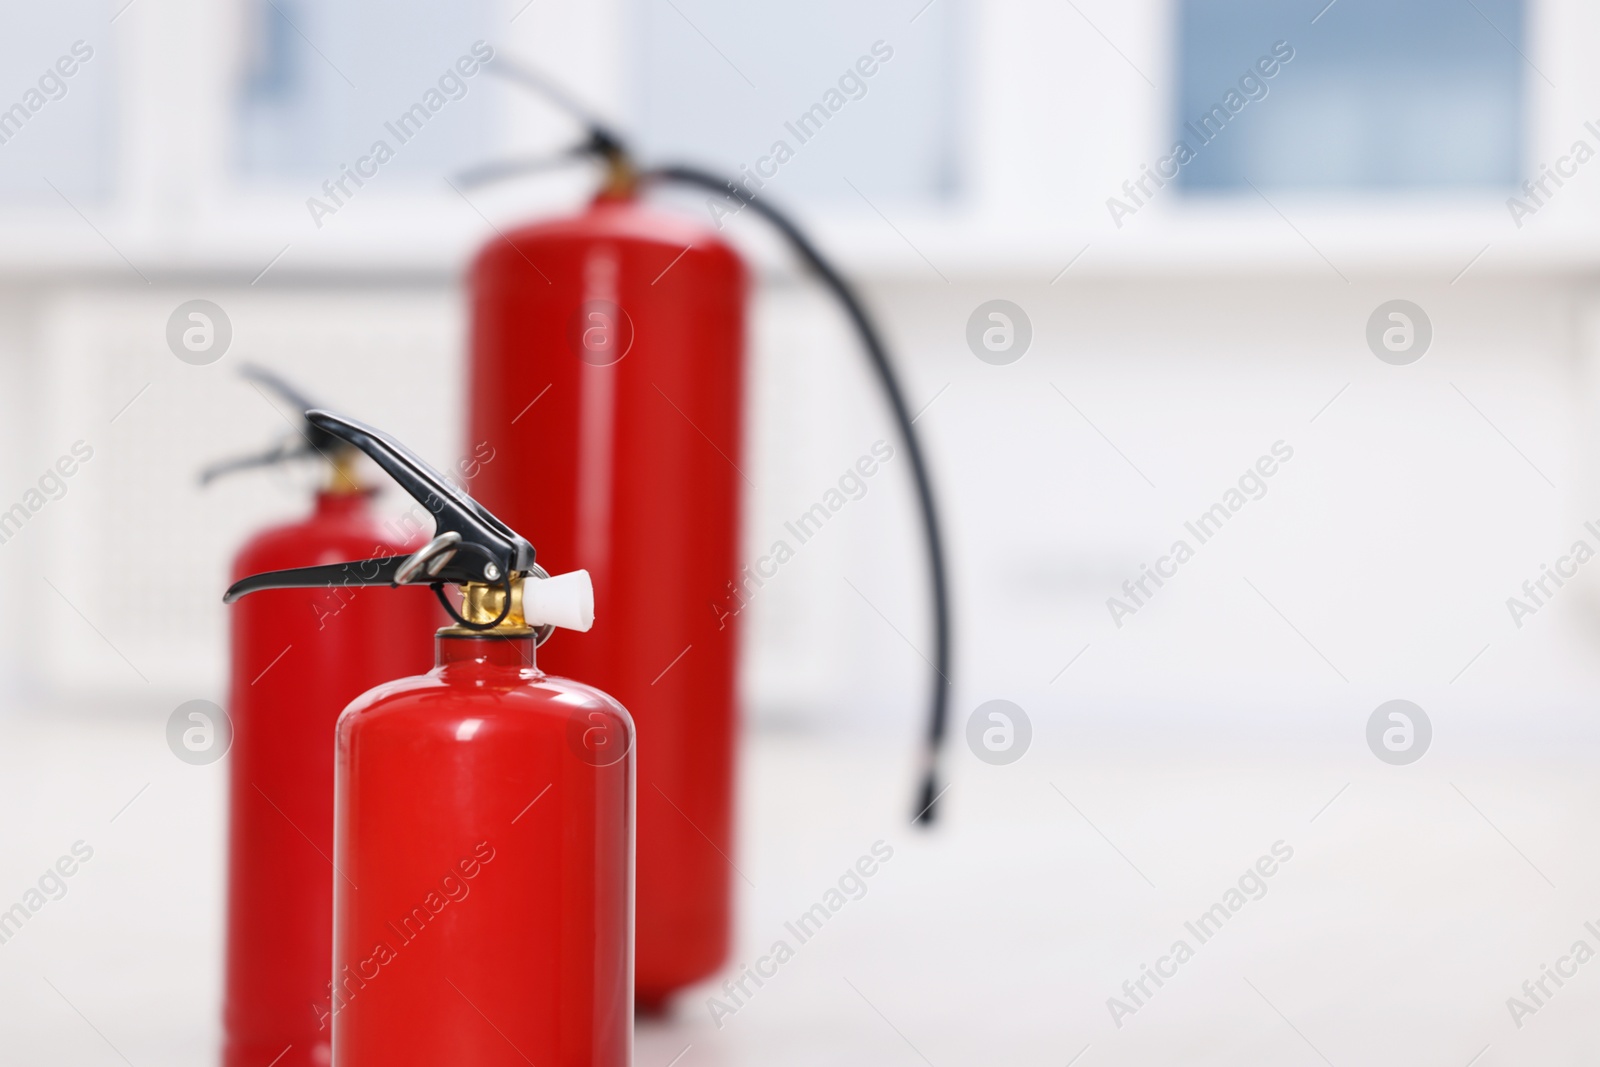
1192	338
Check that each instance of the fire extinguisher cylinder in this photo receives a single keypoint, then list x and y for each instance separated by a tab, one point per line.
634	349
483	841
608	354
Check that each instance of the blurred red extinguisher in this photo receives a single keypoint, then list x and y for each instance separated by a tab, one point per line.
608	355
483	836
297	658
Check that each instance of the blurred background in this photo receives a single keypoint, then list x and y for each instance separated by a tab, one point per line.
1179	328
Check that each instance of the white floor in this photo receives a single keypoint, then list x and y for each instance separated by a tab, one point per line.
1417	900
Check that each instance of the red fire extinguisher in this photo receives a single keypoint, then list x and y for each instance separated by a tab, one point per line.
608	357
298	657
483	840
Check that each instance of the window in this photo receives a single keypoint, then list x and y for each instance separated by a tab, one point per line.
56	121
1367	95
319	79
857	91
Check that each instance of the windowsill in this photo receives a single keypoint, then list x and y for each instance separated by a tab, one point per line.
426	239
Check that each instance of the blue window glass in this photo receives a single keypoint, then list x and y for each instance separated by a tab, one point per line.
1362	95
58	72
322	81
856	92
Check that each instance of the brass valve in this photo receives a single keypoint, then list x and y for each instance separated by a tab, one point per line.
482	603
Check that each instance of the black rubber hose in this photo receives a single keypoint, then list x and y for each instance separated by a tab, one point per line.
929	793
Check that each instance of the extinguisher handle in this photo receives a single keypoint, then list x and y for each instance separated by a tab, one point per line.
381	570
307	439
493	548
469	545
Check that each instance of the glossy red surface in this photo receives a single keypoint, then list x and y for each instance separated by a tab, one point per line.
298	657
483	908
616	439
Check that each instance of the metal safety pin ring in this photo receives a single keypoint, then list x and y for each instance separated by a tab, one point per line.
430	557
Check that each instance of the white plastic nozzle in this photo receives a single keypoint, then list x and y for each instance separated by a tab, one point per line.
564	600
